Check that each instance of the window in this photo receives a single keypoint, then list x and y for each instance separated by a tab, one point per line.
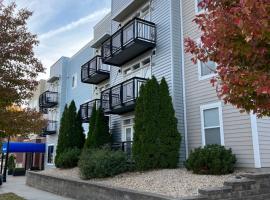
146	62
212	124
127	134
206	69
127	129
197	8
127	71
136	66
74	81
50	154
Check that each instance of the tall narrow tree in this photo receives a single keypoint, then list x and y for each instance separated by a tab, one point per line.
170	138
62	137
71	132
148	110
80	136
92	123
101	134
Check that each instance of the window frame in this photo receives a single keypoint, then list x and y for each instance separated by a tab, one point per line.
124	126
50	145
199	65
204	77
197	12
208	107
75	81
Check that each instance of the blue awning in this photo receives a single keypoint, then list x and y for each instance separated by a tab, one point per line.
21	147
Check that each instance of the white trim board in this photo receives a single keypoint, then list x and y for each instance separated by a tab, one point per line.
210	106
255	141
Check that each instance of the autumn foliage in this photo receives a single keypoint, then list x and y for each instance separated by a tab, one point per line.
236	35
19	69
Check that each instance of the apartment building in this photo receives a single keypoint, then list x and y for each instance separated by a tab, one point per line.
63	86
143	38
139	39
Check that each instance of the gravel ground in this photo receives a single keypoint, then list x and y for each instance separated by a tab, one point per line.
170	182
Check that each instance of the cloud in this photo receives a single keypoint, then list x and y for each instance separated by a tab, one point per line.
84	20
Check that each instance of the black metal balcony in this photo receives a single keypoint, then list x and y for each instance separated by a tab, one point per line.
48	99
133	39
121	98
51	128
86	109
94	71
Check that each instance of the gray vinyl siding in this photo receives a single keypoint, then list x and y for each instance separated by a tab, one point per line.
165	63
119	5
237	126
103	27
263	125
177	73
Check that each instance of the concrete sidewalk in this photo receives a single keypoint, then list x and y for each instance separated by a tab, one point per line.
17	186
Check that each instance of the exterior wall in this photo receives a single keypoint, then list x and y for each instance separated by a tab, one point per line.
237	127
65	68
119	5
103	27
264	140
82	92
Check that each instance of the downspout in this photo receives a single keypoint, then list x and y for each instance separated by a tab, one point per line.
183	77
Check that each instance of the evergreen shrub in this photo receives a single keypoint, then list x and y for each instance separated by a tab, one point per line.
71	134
68	159
212	159
101	163
156	138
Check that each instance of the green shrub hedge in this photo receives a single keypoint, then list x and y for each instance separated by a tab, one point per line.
68	159
100	163
212	159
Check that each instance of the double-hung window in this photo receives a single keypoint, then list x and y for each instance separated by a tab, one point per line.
212	124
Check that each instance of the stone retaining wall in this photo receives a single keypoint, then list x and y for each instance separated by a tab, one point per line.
245	187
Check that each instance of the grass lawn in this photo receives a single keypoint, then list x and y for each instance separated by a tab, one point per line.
10	196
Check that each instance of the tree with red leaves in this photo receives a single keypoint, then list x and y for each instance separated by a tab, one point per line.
19	69
236	35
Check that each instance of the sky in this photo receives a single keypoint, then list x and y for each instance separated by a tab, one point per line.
63	26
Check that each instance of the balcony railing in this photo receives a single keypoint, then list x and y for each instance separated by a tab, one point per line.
51	128
133	39
94	71
86	109
121	98
48	99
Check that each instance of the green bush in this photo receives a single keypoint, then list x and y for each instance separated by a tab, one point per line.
100	163
68	159
212	159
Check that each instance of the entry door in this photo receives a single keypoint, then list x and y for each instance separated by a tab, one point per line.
128	138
